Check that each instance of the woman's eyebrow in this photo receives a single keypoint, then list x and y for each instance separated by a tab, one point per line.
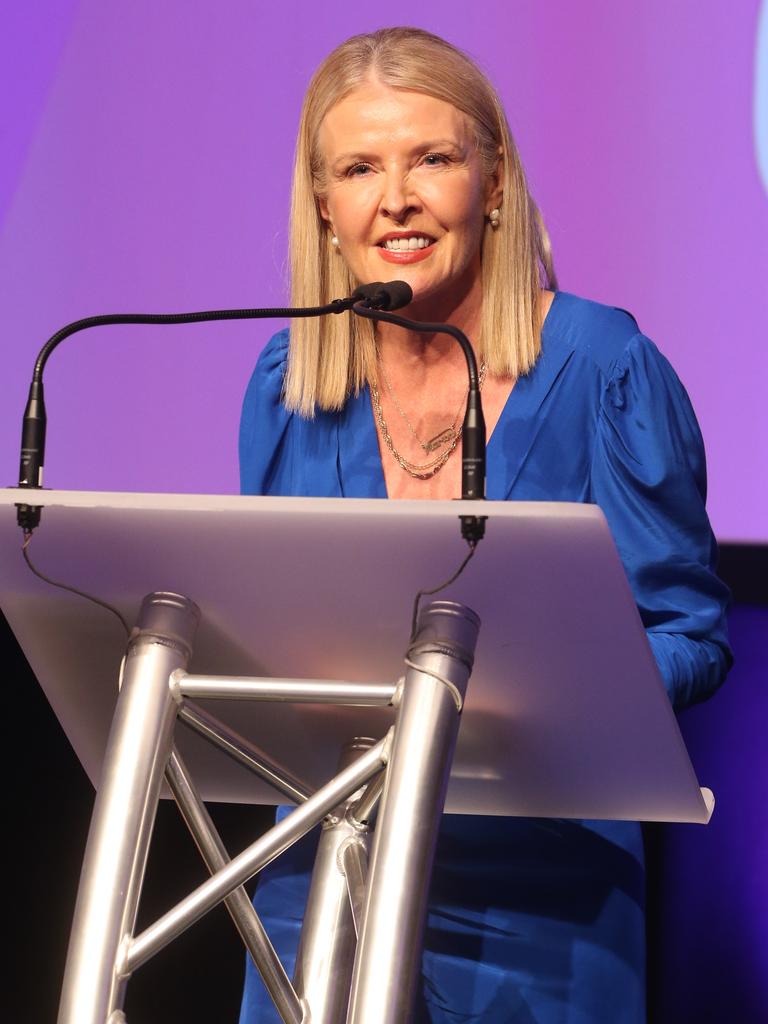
347	158
453	144
420	147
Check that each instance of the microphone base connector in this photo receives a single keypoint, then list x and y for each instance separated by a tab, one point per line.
473	528
28	517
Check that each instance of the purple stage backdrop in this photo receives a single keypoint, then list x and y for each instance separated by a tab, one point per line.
145	163
146	153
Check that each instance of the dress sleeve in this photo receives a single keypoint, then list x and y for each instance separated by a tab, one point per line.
264	423
649	478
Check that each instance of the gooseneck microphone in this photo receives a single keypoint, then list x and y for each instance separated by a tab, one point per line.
395	294
32	457
383	295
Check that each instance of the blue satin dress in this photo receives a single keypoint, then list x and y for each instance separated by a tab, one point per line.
532	920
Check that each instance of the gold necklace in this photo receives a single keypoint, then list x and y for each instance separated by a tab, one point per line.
440	439
451	435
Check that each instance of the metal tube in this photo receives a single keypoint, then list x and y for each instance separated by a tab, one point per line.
115	857
246	920
327	948
354	864
244	752
308	691
388	959
254	858
362	811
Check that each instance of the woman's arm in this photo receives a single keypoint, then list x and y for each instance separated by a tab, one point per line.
649	477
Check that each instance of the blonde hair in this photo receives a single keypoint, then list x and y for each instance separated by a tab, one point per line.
334	356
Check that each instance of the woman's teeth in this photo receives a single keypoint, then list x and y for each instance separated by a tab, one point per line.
403	244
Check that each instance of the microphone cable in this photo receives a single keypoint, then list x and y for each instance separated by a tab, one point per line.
67	586
436	590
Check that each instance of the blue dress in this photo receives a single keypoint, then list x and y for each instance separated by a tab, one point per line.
533	920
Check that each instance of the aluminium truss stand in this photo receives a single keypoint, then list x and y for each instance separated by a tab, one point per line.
369	960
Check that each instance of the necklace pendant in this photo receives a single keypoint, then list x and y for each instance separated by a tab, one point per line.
443	438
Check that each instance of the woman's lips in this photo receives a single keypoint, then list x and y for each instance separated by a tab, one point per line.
405	255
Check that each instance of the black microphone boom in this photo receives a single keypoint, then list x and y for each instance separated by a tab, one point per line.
32	457
473	429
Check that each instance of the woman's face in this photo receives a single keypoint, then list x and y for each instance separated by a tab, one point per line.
406	191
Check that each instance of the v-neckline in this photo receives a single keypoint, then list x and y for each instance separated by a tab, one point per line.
361	472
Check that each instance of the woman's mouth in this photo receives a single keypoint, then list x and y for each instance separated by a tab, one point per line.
406	248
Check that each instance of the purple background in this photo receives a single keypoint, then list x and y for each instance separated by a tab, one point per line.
146	161
146	153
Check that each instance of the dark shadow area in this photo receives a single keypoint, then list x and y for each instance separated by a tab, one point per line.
744	568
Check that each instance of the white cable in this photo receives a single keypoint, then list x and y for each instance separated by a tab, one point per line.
455	693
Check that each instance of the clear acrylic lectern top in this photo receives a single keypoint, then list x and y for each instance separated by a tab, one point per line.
566	714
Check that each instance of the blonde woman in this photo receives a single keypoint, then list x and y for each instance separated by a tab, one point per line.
406	169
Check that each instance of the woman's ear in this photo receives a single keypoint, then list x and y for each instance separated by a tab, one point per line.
494	186
322	204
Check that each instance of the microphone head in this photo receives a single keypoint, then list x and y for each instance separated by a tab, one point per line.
384	295
399	294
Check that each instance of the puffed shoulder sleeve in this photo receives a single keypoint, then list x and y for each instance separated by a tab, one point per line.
649	478
264	421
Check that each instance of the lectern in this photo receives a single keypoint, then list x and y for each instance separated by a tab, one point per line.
278	633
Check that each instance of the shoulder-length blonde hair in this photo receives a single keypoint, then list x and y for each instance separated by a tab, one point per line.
334	356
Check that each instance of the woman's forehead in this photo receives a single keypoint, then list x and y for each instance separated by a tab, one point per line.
375	113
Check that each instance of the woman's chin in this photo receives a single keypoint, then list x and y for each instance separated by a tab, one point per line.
435	297
433	301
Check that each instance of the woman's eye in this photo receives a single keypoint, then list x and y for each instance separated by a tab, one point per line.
356	170
435	159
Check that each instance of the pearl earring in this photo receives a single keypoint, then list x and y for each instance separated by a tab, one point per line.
334	242
495	218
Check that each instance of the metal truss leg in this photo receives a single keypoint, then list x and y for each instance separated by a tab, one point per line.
388	959
124	812
328	936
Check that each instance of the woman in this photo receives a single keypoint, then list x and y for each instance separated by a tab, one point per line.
405	169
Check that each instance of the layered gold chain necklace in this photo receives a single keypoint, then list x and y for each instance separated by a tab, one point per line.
447	439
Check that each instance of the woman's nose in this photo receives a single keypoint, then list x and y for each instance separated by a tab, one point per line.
398	199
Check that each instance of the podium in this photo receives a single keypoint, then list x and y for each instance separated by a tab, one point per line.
304	610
